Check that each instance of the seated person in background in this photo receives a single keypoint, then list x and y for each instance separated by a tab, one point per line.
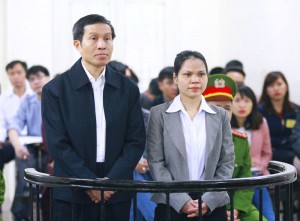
150	94
10	101
187	139
246	119
167	86
216	70
295	138
145	206
29	114
281	114
125	70
235	70
220	91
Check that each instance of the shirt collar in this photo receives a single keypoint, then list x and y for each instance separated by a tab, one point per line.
10	91
177	105
90	77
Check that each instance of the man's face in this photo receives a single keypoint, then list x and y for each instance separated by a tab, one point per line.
168	88
96	46
37	82
17	76
236	76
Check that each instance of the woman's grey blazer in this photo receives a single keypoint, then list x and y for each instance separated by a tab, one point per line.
168	159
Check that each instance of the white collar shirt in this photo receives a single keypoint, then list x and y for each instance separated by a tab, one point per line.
9	105
98	88
194	131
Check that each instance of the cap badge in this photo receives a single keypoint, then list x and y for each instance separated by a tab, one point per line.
219	83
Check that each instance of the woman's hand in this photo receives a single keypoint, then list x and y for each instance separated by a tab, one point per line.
235	215
142	167
191	208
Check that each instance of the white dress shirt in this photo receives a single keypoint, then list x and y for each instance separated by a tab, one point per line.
98	88
9	105
194	131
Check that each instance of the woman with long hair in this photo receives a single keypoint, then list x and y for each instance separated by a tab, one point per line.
280	113
246	119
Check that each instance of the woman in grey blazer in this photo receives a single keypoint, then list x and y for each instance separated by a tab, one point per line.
190	140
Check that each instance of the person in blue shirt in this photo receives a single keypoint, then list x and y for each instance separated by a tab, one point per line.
29	115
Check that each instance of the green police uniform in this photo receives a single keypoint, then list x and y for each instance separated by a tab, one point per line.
2	188
243	198
222	88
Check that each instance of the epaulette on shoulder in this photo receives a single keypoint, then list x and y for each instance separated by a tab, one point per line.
241	135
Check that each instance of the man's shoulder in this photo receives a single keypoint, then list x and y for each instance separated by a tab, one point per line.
161	107
6	94
117	79
58	81
217	109
30	98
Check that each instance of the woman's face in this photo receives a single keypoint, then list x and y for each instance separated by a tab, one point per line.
192	78
242	106
277	90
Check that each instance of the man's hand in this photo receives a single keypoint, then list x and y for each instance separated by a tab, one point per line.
95	195
142	167
22	152
235	214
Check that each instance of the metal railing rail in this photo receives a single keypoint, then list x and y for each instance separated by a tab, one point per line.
282	174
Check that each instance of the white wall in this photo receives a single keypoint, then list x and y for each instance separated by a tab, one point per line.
263	34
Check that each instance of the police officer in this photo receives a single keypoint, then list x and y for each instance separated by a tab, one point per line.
220	91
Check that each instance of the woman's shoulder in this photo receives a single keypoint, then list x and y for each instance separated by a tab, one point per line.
161	107
158	110
217	109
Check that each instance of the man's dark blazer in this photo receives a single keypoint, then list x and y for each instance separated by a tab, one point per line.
69	121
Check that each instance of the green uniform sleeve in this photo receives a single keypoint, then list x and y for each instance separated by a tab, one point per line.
242	198
2	187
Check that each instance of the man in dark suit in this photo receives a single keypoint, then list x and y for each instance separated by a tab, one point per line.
93	124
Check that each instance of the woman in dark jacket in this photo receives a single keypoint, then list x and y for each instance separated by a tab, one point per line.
280	113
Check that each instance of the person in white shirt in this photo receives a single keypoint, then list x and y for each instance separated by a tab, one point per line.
188	139
10	102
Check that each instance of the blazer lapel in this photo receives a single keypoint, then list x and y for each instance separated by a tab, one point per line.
174	128
212	122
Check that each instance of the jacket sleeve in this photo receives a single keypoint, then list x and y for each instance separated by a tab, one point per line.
19	120
57	139
295	137
135	139
266	152
225	165
157	162
243	198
